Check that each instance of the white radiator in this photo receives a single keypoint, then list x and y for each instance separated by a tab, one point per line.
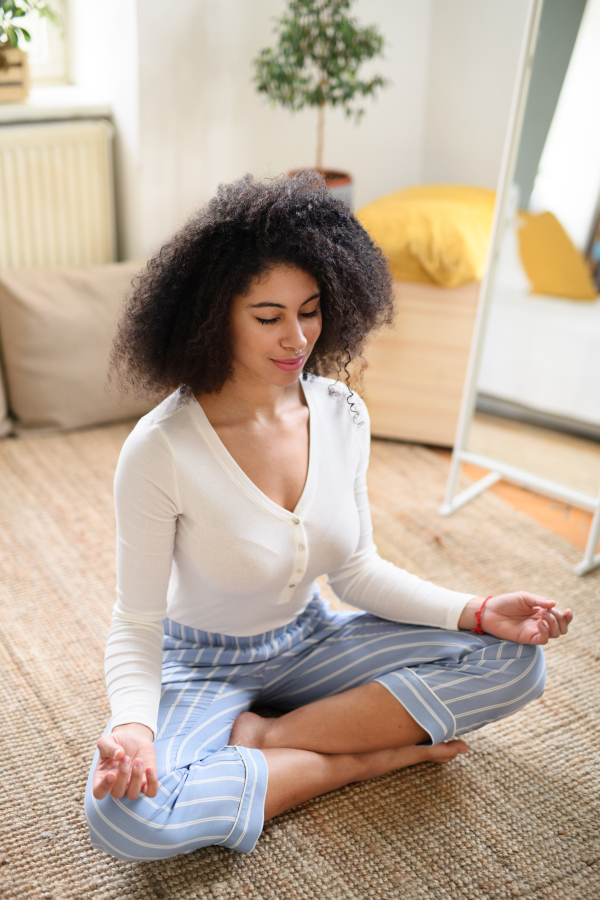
56	194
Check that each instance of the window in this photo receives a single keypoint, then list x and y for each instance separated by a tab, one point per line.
48	50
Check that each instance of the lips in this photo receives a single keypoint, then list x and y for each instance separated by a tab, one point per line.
290	365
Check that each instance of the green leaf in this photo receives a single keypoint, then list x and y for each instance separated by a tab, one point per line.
16	9
11	34
316	60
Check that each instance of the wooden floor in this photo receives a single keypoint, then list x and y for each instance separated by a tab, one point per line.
565	458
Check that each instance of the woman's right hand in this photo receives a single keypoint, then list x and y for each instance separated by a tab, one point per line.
127	763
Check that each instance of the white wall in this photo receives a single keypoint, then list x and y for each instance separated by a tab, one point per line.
104	47
188	116
202	121
475	46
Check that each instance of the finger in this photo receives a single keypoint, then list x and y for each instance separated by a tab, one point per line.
551	623
122	780
151	783
534	633
135	782
103	785
563	624
108	747
537	600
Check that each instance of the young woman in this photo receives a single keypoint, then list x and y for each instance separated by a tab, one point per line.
232	496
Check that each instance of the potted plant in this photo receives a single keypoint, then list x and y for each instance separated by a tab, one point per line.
14	68
315	63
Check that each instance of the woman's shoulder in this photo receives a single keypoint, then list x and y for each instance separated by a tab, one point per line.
340	404
155	432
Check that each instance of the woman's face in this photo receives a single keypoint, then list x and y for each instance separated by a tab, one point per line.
275	325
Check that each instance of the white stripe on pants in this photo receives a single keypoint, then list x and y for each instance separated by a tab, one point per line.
211	793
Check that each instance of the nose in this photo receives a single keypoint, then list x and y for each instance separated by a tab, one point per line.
294	339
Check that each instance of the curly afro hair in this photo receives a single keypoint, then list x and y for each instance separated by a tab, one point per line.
174	331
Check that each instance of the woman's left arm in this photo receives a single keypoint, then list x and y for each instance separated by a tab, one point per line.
520	617
379	587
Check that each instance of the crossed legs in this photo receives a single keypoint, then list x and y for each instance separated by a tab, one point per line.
460	683
352	736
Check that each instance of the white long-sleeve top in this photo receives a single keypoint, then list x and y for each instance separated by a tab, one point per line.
198	542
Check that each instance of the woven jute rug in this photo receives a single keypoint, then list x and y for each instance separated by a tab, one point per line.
517	817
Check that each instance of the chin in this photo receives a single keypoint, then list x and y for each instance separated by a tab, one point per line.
284	378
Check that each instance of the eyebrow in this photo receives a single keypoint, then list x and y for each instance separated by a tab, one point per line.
281	305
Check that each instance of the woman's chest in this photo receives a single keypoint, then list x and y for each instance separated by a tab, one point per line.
275	459
224	518
242	547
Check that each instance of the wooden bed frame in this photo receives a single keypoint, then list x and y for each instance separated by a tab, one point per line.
414	373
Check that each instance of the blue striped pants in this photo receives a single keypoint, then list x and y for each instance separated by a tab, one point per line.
213	793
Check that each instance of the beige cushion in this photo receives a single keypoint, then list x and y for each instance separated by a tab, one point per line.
56	327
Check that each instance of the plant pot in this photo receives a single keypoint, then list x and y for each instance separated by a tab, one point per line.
14	75
339	183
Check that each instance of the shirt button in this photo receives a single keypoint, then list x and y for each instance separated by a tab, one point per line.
300	571
292	585
300	546
296	521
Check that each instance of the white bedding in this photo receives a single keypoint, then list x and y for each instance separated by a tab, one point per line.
543	353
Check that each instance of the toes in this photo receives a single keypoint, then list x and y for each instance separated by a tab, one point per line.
443	753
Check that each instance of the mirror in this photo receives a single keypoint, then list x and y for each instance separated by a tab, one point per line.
531	406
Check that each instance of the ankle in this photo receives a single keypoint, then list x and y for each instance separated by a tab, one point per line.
364	765
269	735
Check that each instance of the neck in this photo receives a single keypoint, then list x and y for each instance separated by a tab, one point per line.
247	398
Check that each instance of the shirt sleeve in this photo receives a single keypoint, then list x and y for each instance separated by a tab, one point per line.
377	586
147	505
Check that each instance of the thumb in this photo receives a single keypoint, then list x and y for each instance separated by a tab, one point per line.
109	748
537	600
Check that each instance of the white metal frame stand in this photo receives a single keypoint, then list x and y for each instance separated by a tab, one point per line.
497	469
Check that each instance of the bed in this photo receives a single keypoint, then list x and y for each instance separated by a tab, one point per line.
541	360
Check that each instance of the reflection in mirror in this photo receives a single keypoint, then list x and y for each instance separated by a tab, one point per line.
535	379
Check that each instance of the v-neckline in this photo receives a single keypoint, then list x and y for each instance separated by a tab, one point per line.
223	455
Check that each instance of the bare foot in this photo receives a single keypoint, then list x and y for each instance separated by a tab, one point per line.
382	761
249	730
445	752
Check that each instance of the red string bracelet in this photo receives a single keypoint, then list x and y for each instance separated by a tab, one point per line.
478	629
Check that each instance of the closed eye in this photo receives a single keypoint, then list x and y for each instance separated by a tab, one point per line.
309	315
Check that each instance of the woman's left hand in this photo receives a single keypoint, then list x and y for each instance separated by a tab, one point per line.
520	617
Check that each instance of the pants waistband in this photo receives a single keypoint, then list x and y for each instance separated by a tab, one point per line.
184	637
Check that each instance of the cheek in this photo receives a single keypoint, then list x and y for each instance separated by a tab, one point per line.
249	343
314	330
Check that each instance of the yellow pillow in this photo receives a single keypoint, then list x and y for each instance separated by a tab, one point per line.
433	233
552	262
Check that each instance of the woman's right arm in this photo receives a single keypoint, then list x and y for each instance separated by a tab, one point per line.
147	505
